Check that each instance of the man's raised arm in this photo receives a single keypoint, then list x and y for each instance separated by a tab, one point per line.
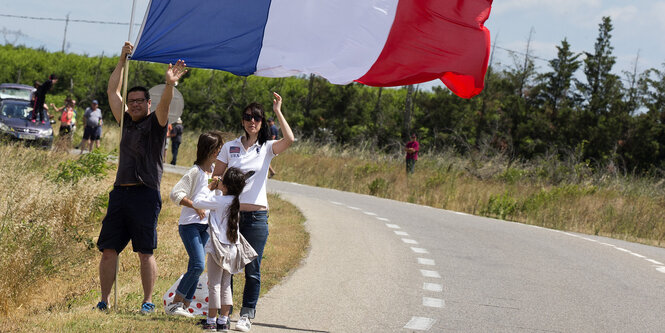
173	74
115	83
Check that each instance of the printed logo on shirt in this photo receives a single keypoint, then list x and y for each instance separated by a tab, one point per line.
234	151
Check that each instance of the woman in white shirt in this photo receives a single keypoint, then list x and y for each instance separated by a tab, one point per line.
193	223
253	152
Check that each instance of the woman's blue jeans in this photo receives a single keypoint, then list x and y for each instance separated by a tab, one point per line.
194	236
254	227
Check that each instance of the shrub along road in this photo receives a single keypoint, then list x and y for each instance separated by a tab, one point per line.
382	265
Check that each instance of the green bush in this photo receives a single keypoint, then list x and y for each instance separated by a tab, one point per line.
93	164
377	185
501	206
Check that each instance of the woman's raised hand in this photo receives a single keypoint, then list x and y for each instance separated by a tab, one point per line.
277	102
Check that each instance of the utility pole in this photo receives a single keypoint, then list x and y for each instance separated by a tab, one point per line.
64	37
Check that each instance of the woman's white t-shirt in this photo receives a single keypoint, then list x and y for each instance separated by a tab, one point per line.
256	158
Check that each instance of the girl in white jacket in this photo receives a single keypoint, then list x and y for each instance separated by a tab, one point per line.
193	223
228	251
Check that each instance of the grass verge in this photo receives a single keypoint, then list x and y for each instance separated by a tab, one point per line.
50	279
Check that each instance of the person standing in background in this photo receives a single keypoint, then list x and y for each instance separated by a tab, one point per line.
66	116
92	118
175	133
412	148
38	111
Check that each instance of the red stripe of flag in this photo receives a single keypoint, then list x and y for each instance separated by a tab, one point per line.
430	39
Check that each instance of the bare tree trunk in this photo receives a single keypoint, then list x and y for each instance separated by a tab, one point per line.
308	102
408	108
525	69
242	93
92	90
480	125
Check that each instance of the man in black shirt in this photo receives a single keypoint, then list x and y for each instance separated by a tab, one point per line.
135	201
38	113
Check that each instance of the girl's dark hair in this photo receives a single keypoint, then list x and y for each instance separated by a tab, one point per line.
208	143
234	181
256	109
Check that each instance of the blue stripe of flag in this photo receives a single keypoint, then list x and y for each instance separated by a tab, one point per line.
217	34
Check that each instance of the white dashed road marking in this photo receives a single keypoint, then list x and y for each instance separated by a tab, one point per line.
435	287
419	250
369	213
336	203
401	233
424	261
409	241
354	208
433	302
383	219
430	274
654	262
392	226
420	323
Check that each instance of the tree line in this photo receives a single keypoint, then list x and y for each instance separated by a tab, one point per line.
579	106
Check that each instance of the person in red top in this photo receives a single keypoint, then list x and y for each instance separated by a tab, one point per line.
66	117
411	149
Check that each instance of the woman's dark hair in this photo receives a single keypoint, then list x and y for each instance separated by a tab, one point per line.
234	181
256	109
140	88
208	143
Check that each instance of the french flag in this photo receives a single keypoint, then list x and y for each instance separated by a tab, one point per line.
374	42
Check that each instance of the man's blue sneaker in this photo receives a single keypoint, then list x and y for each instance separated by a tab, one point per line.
147	308
102	306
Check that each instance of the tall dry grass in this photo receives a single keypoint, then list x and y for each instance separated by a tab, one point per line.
564	195
48	226
44	223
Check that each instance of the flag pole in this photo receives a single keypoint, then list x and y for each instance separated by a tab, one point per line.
125	73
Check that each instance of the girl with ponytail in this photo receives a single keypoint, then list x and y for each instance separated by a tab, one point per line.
228	251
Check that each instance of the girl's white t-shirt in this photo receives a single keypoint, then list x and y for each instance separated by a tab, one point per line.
193	182
219	208
256	158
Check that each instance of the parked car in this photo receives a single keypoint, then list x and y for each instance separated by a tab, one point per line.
15	124
17	91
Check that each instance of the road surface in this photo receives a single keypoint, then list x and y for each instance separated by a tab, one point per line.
378	265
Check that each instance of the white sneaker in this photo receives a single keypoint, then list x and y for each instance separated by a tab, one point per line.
243	324
177	309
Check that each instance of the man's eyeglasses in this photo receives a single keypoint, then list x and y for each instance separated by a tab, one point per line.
138	100
249	117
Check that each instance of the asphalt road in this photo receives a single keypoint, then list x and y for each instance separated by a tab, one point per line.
377	265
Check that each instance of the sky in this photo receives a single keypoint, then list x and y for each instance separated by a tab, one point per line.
638	28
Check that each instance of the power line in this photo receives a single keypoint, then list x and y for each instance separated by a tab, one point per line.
64	19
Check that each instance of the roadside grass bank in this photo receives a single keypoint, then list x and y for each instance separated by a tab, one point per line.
563	195
49	222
